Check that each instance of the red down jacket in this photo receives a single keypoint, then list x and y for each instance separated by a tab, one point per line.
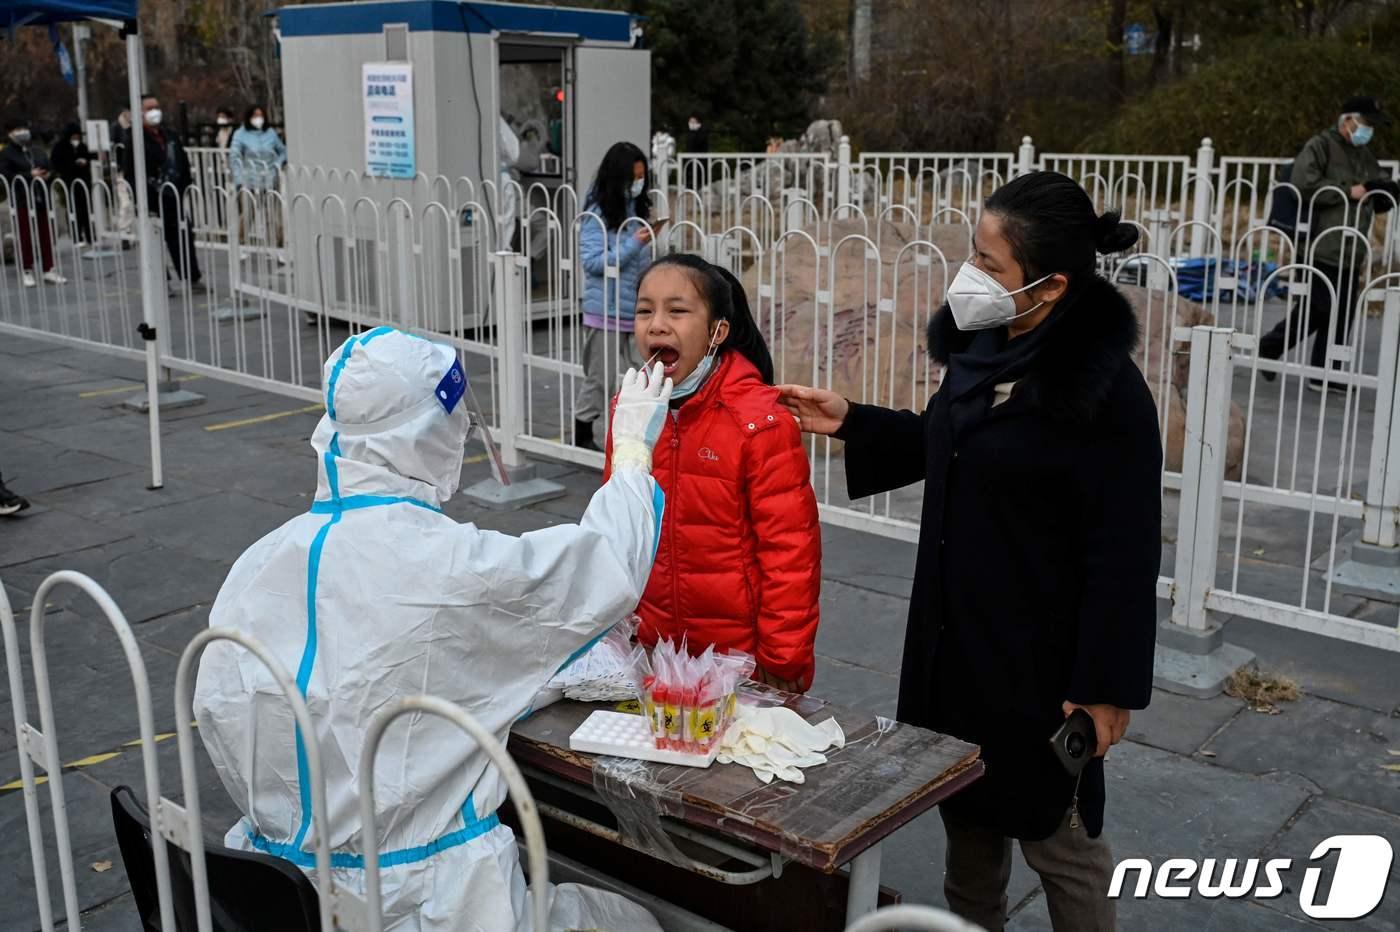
739	562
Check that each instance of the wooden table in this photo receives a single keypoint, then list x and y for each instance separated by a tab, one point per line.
887	775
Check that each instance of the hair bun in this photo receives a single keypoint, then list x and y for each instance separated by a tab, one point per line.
1113	235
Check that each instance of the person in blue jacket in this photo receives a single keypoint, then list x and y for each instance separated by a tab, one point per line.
614	233
255	155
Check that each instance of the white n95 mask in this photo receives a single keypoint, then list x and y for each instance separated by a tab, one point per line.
980	302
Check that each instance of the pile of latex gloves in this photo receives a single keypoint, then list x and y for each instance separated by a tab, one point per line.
777	742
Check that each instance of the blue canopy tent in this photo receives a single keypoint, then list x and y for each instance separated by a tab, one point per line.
119	14
40	13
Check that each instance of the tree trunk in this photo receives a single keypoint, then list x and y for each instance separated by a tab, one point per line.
1117	79
862	27
1162	49
1303	17
1178	35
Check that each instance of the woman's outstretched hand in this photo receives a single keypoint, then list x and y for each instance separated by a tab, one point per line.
817	410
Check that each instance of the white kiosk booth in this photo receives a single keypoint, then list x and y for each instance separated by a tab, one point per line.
393	115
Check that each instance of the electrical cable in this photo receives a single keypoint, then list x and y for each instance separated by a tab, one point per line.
480	124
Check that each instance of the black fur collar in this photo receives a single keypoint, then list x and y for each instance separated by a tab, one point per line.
1096	334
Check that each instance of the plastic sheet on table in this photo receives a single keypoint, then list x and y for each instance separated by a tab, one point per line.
638	801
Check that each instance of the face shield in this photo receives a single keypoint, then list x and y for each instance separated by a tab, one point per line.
399	408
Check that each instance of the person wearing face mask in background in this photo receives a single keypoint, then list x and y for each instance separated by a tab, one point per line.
224	127
71	160
1337	158
25	171
739	564
697	137
615	234
255	156
167	177
1035	586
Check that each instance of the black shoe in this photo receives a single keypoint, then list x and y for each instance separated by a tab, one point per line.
583	435
198	287
10	503
1271	353
1320	386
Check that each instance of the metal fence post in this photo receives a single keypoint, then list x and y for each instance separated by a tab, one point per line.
510	307
1159	244
1383	478
843	172
710	248
146	244
1373	567
507	296
1192	657
1201	203
1025	156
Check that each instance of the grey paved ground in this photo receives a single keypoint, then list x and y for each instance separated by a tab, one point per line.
1195	778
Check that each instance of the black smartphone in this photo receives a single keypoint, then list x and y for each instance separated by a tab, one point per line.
1076	741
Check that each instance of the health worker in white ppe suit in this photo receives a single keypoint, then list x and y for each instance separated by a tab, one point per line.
375	595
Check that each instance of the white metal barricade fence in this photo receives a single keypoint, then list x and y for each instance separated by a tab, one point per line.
40	745
928	183
520	795
181	825
842	277
96	305
1330	423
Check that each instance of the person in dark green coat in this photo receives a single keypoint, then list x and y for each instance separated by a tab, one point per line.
1340	184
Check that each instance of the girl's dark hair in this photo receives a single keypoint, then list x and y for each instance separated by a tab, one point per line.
248	115
724	295
611	191
1051	225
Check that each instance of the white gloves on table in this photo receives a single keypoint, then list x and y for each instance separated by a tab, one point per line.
639	417
777	742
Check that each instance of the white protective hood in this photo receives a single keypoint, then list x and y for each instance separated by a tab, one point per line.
385	425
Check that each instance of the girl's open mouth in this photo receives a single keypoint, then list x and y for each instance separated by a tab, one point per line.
668	357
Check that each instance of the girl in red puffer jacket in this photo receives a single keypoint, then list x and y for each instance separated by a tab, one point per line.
739	561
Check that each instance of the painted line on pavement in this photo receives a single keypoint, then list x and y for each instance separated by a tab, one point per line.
229	425
98	393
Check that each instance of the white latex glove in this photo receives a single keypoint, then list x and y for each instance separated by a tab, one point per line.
777	742
639	417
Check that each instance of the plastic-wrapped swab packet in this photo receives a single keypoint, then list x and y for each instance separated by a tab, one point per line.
688	701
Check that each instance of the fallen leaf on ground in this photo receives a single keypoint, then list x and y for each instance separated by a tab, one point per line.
1393	768
102	867
1261	691
1207	753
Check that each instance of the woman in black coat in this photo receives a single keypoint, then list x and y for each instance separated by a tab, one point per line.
70	159
1040	543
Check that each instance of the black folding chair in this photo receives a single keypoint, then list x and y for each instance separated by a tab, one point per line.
248	892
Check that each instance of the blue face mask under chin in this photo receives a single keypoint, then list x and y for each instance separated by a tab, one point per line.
691	383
